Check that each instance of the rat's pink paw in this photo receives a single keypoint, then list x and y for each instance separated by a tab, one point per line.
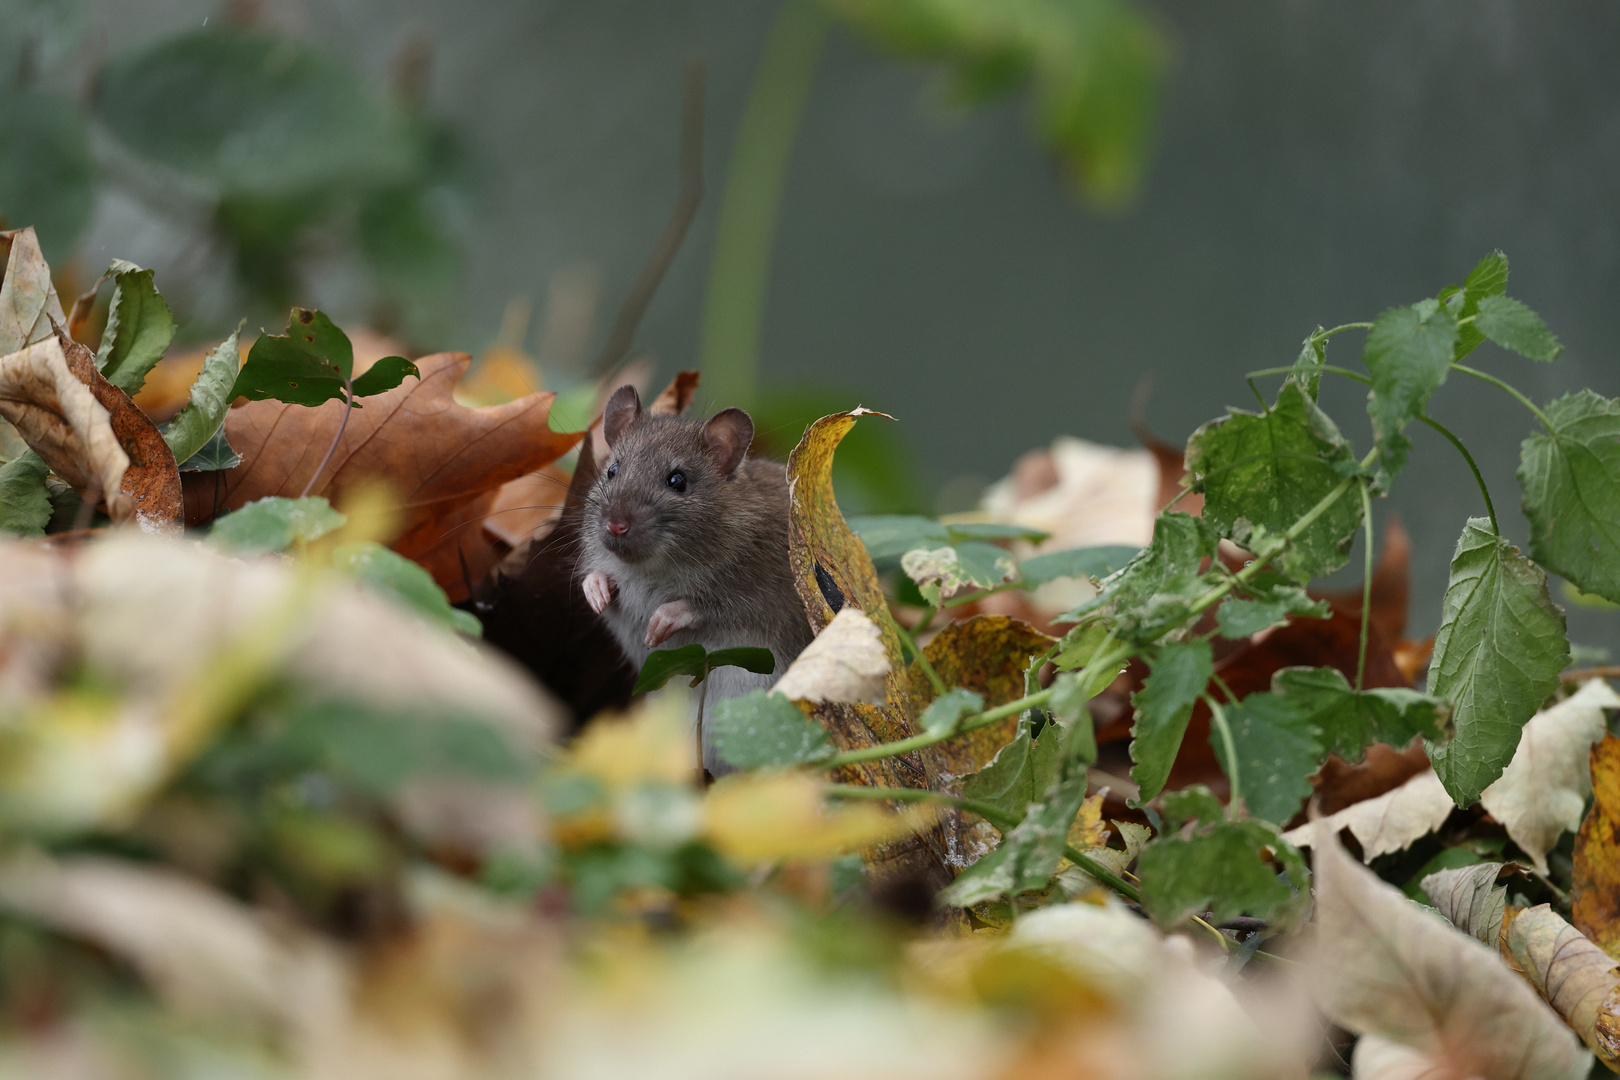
670	617
598	591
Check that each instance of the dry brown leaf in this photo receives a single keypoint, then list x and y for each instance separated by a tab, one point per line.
1384	967
28	300
62	422
677	396
1541	794
1470	897
845	663
1391	822
1575	976
1595	890
437	456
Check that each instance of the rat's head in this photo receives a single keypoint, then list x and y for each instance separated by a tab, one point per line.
666	483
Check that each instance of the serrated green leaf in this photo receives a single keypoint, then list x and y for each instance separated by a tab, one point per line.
692	660
1020	772
1155	589
984	565
204	415
1239	617
393	575
947	710
139	327
1177	675
1195	803
385	374
1571	482
213	456
25	504
1513	325
1277	748
1488	278
1307	369
1497	657
1408	351
1029	854
760	730
274	523
1085	562
887	537
1219	869
1349	721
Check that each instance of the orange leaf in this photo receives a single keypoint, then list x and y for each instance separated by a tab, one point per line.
1595	892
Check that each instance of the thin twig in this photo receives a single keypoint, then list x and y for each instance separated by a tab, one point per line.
617	347
1606	671
348	407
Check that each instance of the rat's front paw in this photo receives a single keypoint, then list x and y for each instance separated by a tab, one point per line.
670	617
598	591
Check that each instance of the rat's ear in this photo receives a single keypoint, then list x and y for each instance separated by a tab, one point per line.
623	409
728	436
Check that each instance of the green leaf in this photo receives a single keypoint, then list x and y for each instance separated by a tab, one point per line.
1220	869
1307	370
385	374
1514	326
1349	721
139	327
274	523
1269	469
887	537
991	530
1155	590
393	575
214	455
1028	854
1177	675
940	571
1195	803
1020	772
1489	278
1408	351
1238	618
25	504
248	111
692	660
947	710
46	170
204	415
1496	659
761	729
1571	481
984	565
1085	562
1277	749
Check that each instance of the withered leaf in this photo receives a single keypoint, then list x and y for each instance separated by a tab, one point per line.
1470	897
59	417
1575	977
1595	890
1390	822
844	663
28	300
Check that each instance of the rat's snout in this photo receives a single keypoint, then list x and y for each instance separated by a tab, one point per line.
616	525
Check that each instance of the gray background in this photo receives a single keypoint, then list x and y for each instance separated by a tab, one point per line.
1316	163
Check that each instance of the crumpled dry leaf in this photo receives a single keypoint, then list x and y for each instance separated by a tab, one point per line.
227	626
1541	794
845	663
28	300
752	817
61	420
1390	822
1383	967
438	456
1081	493
1470	897
1594	893
1575	977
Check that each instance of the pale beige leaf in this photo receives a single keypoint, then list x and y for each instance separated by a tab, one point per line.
844	663
1383	966
1391	821
1573	974
28	300
60	419
1380	1059
752	817
1544	789
1471	899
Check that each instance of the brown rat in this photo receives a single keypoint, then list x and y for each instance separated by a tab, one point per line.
685	539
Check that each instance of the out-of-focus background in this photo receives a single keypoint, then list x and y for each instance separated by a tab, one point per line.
460	175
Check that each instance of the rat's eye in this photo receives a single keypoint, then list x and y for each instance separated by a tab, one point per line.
613	470
677	480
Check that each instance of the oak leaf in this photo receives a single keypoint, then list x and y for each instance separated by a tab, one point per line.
440	458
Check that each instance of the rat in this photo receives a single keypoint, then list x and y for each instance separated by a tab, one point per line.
685	539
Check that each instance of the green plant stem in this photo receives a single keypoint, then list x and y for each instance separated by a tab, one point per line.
922	660
1473	468
929	738
1217	716
1328	368
1323	335
926	621
1494	381
994	815
1366	586
981	594
751	201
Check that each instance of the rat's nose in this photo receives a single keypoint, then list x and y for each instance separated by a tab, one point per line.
616	526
